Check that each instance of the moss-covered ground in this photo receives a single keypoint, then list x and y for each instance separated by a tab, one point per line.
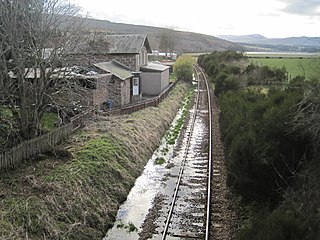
59	197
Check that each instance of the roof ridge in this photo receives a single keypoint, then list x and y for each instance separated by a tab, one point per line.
120	64
126	34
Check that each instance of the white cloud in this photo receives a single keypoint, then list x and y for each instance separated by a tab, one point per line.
272	18
305	7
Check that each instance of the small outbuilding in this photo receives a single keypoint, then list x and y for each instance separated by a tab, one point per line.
154	79
124	86
75	87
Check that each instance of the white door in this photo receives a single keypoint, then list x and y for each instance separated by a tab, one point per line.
135	86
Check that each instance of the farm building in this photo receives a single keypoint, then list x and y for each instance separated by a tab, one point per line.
161	55
74	87
93	91
129	49
154	78
126	57
124	87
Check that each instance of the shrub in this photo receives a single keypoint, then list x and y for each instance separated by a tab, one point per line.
278	225
224	83
218	62
183	68
261	153
271	143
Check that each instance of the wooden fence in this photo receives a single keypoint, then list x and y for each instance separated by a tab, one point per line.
152	102
43	143
27	149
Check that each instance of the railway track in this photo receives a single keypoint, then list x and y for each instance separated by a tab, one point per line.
189	212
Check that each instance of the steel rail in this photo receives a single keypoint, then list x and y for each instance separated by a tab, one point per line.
209	157
165	231
199	72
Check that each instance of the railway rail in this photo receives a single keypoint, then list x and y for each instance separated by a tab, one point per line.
189	214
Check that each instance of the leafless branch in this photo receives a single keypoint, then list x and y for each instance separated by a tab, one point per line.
34	35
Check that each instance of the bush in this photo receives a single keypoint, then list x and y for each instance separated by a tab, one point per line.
278	225
224	83
261	152
297	217
218	62
183	68
271	143
9	135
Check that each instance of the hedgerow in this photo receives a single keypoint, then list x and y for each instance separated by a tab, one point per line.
270	131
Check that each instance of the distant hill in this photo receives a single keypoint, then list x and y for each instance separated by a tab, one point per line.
288	44
184	41
254	38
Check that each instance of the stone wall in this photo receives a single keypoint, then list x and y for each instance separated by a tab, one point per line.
119	91
101	93
126	92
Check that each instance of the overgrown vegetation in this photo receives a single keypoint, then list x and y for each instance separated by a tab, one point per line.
230	70
9	134
270	131
130	227
174	131
48	121
77	198
159	161
34	37
183	68
262	154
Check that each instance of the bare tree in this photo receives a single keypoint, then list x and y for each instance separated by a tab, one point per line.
307	116
34	34
95	42
167	40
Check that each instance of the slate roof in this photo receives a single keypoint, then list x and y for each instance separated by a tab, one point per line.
127	43
115	68
154	67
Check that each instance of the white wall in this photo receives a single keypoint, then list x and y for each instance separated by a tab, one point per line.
153	83
165	79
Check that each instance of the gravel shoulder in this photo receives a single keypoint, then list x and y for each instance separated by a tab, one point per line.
227	213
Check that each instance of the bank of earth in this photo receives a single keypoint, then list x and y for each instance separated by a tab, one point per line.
74	192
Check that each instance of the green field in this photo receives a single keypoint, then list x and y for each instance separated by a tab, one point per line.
308	67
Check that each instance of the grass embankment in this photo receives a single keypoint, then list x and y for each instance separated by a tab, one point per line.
77	198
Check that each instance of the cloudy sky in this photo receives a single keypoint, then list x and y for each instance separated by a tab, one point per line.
271	18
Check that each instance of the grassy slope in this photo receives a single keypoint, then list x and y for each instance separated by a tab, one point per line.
56	198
